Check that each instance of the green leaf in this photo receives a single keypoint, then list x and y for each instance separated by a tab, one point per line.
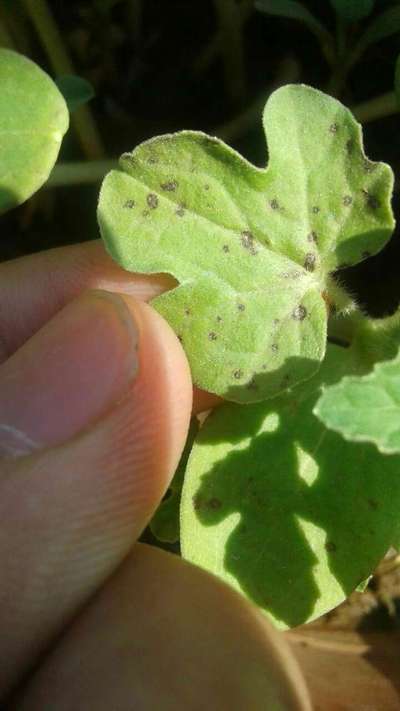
251	249
284	510
75	90
165	523
353	10
367	408
33	121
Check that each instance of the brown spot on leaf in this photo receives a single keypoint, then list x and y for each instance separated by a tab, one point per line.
347	200
309	262
274	204
206	187
129	204
238	374
241	307
315	210
187	311
225	248
170	186
180	211
252	385
212	336
299	313
312	237
331	547
371	200
152	201
247	240
214	503
219	319
274	347
145	213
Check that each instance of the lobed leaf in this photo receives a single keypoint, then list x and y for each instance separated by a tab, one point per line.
33	121
367	408
284	510
251	249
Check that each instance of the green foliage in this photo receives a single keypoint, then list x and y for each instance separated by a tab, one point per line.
397	81
366	409
251	249
33	121
385	25
75	90
165	523
284	510
353	10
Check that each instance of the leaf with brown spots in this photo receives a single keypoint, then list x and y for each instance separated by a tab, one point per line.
267	239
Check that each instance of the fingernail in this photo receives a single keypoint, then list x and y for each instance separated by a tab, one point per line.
69	373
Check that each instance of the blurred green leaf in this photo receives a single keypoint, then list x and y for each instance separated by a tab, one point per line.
385	25
353	10
33	121
75	90
294	10
397	81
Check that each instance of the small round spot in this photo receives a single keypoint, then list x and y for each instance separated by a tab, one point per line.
347	200
225	248
274	204
180	337
212	336
372	201
299	313
180	211
152	201
264	366
219	319
275	348
241	307
276	321
206	187
312	237
331	547
309	262
170	186
333	128
238	374
315	210
129	204
187	311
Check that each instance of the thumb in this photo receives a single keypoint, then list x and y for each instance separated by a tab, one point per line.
98	403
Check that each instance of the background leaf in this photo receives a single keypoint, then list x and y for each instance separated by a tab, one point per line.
33	121
165	523
250	248
353	10
385	25
366	409
75	90
284	510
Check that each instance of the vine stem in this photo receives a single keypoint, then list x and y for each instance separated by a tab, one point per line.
61	63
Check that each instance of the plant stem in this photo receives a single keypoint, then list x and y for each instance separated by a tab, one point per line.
232	49
61	63
376	108
211	51
80	172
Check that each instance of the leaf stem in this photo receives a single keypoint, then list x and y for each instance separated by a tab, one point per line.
80	172
52	41
376	108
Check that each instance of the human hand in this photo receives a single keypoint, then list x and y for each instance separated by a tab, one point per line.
95	402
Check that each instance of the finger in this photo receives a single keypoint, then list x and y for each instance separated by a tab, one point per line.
108	433
34	288
163	634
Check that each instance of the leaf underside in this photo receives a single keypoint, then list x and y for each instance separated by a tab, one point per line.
33	121
366	409
284	510
250	248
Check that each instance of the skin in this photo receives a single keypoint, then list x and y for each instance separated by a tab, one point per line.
95	403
